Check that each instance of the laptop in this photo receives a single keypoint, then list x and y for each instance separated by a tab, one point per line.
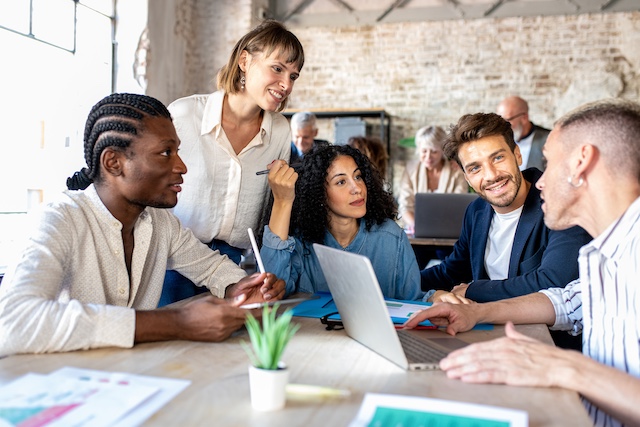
440	215
358	298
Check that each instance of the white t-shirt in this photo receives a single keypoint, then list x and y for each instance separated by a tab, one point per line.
498	250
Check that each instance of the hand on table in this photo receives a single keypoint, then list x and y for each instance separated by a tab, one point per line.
450	297
212	319
515	359
460	290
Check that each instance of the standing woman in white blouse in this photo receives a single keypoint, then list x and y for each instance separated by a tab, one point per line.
229	135
433	173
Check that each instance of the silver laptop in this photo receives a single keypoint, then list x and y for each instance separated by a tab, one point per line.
440	215
364	313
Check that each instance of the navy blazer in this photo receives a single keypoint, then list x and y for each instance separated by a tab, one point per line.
536	159
540	258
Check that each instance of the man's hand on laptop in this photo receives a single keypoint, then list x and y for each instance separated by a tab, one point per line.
455	317
450	297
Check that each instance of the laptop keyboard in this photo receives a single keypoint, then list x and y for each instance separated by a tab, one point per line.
419	351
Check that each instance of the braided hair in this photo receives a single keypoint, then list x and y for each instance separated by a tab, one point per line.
310	213
113	122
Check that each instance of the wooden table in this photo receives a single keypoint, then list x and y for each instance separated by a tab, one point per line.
219	390
431	241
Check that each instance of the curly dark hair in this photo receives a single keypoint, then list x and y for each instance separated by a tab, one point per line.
310	215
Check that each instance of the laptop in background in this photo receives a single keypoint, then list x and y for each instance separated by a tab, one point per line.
440	215
363	311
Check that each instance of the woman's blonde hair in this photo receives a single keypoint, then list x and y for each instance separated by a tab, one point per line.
430	136
267	37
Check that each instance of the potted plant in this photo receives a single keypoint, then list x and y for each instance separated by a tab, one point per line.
268	377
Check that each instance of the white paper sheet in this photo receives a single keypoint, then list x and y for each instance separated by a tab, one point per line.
81	397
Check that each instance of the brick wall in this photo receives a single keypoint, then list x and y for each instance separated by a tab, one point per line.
432	72
190	40
422	72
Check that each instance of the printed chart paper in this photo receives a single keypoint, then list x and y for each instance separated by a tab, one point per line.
80	397
407	411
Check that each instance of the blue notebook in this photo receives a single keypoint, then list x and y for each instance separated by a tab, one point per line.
323	305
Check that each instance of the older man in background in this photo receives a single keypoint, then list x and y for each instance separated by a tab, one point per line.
303	132
529	137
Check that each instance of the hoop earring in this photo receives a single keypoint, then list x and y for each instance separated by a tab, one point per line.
570	181
242	82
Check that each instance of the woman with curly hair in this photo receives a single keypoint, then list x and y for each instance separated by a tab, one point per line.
337	199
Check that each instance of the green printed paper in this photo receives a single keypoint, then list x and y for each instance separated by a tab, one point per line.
407	418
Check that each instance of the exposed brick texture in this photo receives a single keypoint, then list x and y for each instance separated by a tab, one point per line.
431	72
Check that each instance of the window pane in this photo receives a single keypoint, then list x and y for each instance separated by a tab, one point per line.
102	6
47	94
53	22
14	14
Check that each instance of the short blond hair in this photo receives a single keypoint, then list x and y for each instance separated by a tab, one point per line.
430	136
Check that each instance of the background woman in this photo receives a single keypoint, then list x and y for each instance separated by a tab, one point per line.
229	135
432	173
373	149
338	200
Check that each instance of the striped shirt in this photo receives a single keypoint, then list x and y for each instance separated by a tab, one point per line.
607	309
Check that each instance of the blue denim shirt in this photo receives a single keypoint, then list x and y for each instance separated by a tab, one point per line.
386	245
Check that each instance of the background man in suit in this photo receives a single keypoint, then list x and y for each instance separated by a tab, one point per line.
529	137
303	132
505	249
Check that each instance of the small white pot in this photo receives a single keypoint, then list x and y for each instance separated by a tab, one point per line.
268	387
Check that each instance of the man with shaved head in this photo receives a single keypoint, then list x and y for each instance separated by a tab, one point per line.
529	137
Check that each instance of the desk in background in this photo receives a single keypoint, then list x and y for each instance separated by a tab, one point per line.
430	249
431	241
219	392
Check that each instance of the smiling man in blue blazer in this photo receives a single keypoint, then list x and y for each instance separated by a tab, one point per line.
504	249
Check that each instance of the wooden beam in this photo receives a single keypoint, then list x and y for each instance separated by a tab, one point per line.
608	4
344	5
456	7
296	10
494	7
396	4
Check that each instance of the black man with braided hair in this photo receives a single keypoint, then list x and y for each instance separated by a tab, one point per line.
91	274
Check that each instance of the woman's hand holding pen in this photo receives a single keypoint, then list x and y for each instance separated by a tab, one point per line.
282	180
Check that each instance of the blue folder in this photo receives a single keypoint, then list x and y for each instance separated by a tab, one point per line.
323	305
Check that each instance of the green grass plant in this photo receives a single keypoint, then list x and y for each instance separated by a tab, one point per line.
269	341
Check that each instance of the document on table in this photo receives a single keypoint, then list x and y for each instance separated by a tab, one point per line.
81	397
406	411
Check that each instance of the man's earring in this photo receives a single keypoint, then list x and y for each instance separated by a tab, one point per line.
570	181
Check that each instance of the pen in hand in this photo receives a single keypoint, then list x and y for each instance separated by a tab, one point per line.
256	251
296	166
